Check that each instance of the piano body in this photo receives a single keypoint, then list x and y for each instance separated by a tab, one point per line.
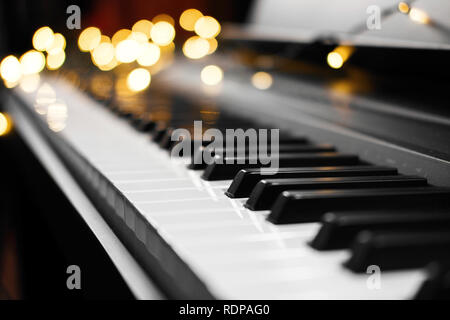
364	179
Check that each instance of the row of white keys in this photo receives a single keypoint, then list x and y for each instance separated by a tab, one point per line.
236	252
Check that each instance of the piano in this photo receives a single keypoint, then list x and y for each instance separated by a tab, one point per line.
359	207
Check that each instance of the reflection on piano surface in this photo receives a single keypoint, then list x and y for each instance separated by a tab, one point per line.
363	182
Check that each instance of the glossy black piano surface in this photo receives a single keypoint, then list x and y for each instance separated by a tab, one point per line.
358	92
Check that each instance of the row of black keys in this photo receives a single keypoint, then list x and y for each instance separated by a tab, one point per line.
387	219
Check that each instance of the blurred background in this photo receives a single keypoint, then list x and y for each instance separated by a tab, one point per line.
41	233
36	243
20	19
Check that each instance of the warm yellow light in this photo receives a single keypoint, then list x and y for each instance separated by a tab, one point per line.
5	124
207	27
119	36
32	62
57	116
89	39
55	61
138	79
196	47
104	39
262	80
167	49
9	84
211	75
143	26
150	54
107	67
162	33
138	37
127	50
339	55
403	7
335	60
101	85
44	96
163	17
188	19
43	38
212	45
418	16
103	54
10	69
30	83
59	44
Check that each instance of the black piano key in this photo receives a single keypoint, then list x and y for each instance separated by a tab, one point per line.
166	140
266	191
246	179
310	206
436	286
126	114
136	120
142	123
285	148
339	229
158	132
398	250
221	170
198	164
287	139
146	126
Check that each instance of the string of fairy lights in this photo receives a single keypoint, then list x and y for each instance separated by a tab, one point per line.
341	54
146	45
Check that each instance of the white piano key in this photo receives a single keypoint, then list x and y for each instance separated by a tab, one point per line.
162	184
202	204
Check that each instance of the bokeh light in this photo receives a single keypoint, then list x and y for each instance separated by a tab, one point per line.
418	16
196	47
55	61
10	69
212	45
162	33
403	7
32	62
59	44
57	116
339	56
207	27
188	19
138	79
43	38
107	67
139	37
163	17
143	26
30	82
119	36
262	80
44	97
150	54
211	75
335	60
103	54
89	39
5	124
104	39
127	50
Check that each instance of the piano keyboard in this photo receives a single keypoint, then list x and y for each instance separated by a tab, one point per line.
310	231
